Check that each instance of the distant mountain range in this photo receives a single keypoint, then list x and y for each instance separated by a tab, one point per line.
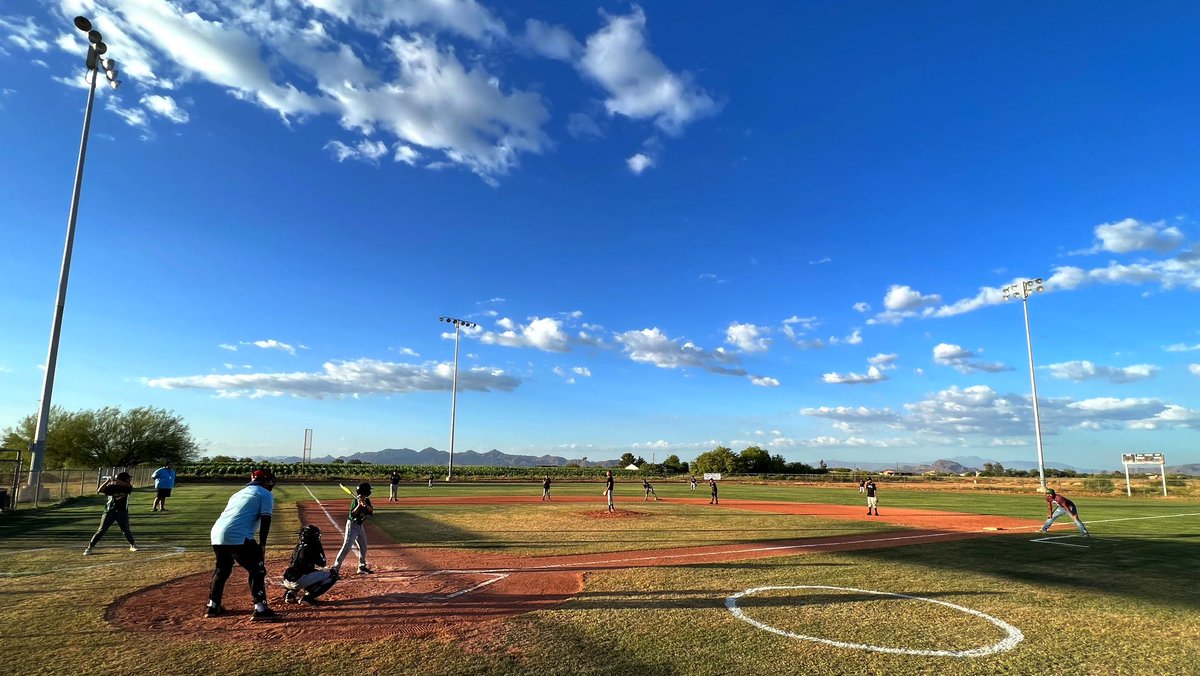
494	458
432	456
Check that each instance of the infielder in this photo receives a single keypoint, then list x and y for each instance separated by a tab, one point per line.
872	500
1056	506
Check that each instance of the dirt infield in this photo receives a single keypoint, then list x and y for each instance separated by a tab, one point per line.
422	591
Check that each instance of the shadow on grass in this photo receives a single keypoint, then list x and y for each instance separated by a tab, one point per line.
1156	571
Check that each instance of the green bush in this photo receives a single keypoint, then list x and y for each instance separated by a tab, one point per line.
1098	484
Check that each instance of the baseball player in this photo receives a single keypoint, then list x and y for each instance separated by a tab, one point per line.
393	485
248	510
1056	506
648	489
872	500
116	509
356	531
608	490
546	489
712	489
304	579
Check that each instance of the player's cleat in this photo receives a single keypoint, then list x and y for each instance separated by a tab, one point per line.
214	611
264	615
364	570
290	597
133	548
87	551
309	601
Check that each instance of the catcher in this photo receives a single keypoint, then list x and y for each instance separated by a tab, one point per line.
307	578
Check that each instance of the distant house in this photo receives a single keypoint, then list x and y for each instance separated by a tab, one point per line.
632	467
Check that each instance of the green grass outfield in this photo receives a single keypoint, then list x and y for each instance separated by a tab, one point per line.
1126	604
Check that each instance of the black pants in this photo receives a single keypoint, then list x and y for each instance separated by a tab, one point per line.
122	519
248	555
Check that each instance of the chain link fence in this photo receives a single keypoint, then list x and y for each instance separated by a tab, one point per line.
52	486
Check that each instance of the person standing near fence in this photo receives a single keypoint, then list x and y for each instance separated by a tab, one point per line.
164	481
116	509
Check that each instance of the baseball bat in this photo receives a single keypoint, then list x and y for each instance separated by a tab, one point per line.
350	492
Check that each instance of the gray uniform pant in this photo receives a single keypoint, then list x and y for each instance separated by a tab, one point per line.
356	536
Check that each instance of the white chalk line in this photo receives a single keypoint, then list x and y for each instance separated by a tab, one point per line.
1139	518
176	551
1010	641
322	506
1051	541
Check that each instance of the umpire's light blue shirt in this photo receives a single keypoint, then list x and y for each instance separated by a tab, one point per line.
239	521
163	478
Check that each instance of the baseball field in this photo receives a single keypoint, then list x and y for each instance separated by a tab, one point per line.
488	579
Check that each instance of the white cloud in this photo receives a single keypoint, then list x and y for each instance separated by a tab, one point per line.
1085	370
747	337
165	106
1133	235
408	352
1182	347
134	117
764	381
652	346
581	371
638	84
873	375
464	17
344	378
709	275
862	307
1195	369
406	154
883	361
271	344
963	360
902	301
25	34
554	42
639	163
364	150
821	261
542	333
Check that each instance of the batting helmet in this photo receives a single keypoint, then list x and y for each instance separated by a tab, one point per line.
364	488
1050	491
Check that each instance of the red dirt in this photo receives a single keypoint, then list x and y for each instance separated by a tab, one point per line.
424	591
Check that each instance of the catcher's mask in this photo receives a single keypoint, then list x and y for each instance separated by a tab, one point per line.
310	534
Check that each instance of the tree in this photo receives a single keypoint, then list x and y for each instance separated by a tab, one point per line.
674	465
64	433
108	437
720	459
627	459
755	460
222	458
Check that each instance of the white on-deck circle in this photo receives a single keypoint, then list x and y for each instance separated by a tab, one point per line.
1010	641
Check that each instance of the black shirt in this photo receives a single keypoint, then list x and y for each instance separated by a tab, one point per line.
118	497
546	483
608	482
395	478
870	489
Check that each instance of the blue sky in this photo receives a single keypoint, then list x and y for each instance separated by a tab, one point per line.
677	225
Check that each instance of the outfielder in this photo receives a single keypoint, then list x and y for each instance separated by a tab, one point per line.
356	532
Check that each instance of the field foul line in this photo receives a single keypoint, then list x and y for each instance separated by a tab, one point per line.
1138	518
327	514
496	578
1050	539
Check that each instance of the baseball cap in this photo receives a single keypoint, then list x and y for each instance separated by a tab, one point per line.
124	476
262	476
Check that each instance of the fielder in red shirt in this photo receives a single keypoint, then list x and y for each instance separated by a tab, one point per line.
1056	506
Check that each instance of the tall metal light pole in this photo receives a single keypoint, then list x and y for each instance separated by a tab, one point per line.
458	323
95	62
1024	290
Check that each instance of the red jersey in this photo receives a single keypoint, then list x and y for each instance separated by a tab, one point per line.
1057	499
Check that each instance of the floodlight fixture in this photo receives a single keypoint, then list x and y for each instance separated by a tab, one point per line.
96	49
1023	290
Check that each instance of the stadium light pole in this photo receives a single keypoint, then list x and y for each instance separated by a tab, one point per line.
458	323
96	61
1024	290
